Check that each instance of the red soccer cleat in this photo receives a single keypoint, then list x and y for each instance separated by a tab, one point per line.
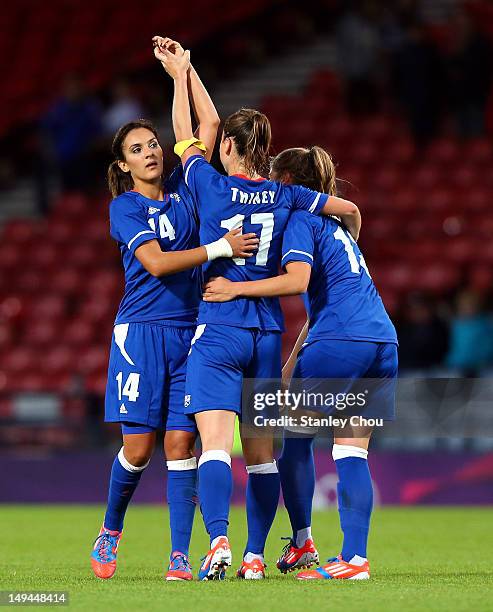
337	569
179	567
293	558
253	570
103	556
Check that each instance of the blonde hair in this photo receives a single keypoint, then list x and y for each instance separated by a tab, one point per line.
311	168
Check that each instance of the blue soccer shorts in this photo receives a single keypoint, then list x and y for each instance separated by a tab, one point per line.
146	377
221	357
346	364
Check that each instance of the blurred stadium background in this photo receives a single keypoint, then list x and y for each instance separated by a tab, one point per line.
399	92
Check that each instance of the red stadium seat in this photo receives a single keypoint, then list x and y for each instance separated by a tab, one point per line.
97	230
93	359
461	250
426	178
464	177
66	281
59	382
405	200
45	255
62	230
426	251
29	382
324	82
7	337
376	128
71	205
81	255
396	277
400	150
78	333
97	310
41	333
59	359
49	306
381	227
20	231
478	152
10	255
103	282
390	300
481	278
436	278
487	253
96	383
438	200
12	308
29	281
386	179
20	360
483	226
444	151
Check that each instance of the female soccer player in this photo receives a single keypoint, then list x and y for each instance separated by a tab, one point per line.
242	338
155	226
348	336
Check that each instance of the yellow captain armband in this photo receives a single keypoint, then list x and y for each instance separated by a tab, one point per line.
183	145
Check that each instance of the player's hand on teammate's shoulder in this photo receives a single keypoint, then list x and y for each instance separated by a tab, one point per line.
219	289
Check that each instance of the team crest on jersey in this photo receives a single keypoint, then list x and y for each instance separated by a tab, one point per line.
152	210
175	196
188	399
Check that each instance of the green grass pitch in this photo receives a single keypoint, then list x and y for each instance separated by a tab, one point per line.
421	559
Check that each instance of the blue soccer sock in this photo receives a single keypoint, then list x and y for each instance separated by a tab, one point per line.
355	497
215	488
182	498
123	482
297	470
262	499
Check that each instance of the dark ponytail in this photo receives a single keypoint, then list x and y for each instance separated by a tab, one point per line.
118	181
312	168
251	133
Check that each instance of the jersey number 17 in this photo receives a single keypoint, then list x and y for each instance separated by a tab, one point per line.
266	220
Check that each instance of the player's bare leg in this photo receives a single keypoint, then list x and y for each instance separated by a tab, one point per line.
182	498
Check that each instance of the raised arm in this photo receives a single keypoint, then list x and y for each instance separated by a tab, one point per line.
204	110
347	211
294	282
177	66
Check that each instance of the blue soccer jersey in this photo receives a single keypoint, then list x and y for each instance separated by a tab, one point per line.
260	206
135	219
342	300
